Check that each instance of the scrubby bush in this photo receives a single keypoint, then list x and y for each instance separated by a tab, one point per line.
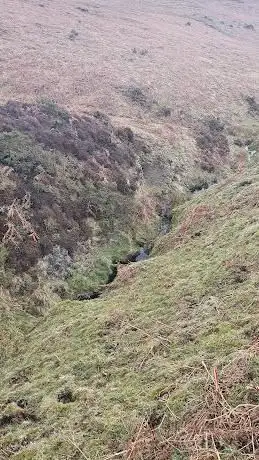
213	144
137	96
253	106
57	264
50	107
74	185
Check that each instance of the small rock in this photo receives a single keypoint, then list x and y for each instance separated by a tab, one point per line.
142	255
84	10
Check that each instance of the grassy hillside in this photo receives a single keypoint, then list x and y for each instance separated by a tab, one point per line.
165	365
118	119
91	55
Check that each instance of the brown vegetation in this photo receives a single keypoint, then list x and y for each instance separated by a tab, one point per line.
207	68
210	427
60	171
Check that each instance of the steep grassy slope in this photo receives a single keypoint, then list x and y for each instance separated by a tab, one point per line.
165	365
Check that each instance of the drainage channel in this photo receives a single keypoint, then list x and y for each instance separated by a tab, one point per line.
142	254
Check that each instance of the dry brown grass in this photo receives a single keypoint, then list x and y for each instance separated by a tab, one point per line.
207	429
18	221
207	67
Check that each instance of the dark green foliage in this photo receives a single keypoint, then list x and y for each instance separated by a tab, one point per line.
199	184
20	153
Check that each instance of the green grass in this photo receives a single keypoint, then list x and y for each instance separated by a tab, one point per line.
146	347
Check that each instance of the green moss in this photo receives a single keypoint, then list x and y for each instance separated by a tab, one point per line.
223	338
27	454
93	271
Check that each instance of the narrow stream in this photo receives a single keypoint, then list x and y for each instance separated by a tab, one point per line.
142	254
